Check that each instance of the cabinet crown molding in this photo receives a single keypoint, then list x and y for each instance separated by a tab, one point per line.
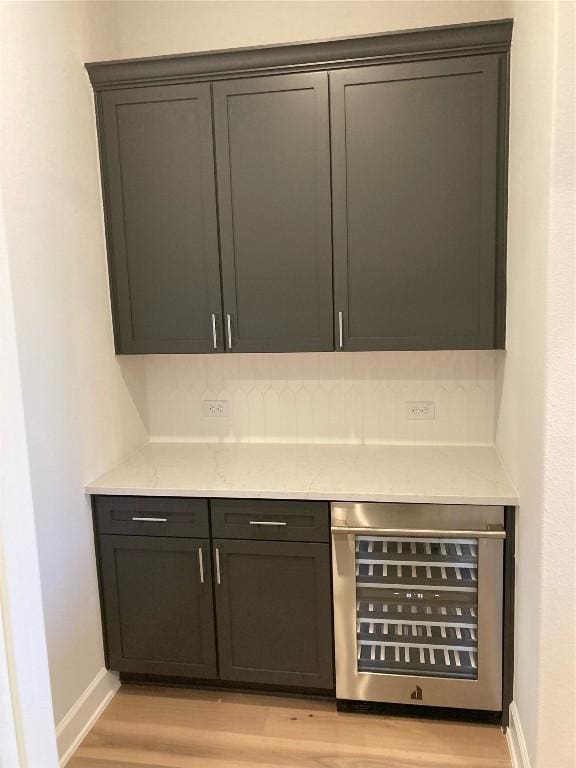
459	39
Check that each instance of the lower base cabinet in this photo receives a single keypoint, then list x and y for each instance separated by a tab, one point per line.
273	611
256	612
157	594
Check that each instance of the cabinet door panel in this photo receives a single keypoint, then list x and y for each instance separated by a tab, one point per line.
272	153
158	170
158	612
415	168
273	607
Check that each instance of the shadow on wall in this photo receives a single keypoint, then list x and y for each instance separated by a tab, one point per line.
133	374
450	365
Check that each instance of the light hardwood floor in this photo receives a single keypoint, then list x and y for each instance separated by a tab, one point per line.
175	728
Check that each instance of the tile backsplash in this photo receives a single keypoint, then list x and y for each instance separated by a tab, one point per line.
354	397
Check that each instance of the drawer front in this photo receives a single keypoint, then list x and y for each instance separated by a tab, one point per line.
151	516
270	520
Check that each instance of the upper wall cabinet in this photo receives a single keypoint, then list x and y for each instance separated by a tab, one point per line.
348	194
158	180
414	163
273	161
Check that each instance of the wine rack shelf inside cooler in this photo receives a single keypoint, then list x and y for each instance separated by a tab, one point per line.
416	606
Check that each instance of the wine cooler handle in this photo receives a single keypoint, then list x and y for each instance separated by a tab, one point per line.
437	533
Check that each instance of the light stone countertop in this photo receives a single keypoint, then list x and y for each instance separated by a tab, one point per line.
454	474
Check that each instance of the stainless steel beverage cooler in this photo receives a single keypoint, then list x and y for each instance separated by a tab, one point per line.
418	595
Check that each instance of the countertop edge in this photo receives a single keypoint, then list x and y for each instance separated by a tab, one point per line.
96	490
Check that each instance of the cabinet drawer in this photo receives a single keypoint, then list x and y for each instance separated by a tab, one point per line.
151	516
270	520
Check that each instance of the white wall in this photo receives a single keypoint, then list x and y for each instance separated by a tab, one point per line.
152	28
535	434
84	408
354	397
27	735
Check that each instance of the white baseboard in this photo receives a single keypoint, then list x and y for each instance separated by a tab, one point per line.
516	741
83	714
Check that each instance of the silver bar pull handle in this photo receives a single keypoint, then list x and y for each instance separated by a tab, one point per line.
340	330
420	533
229	330
150	519
214	334
268	522
218	579
201	564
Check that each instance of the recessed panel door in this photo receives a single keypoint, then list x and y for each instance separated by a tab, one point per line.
158	171
273	162
273	608
415	163
158	610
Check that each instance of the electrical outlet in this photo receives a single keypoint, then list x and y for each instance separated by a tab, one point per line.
217	408
421	410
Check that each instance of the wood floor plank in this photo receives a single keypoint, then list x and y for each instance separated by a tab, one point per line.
173	728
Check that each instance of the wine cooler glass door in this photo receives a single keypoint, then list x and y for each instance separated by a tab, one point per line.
417	606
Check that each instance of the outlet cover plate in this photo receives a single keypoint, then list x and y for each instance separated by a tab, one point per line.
219	409
420	410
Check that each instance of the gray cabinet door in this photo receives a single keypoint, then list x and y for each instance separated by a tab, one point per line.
273	608
415	174
273	167
157	605
158	178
